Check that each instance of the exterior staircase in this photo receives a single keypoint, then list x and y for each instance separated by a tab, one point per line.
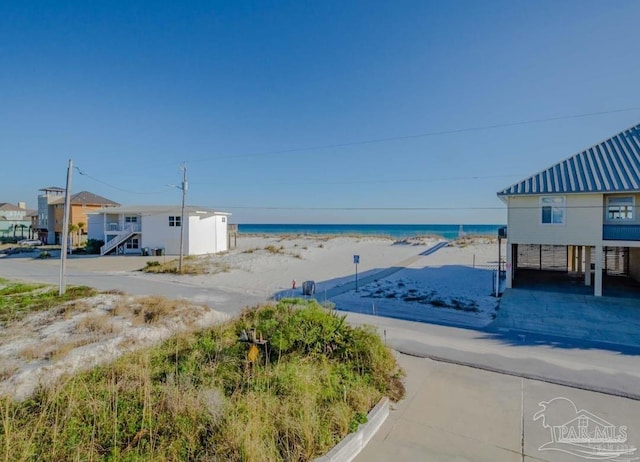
119	239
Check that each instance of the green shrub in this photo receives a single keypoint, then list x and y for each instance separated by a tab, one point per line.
197	397
93	246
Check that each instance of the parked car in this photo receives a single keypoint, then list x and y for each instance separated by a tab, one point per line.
30	242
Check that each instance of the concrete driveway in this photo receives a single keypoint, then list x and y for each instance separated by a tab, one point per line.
456	413
611	320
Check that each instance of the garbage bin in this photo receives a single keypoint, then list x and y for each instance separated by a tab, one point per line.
145	251
161	251
308	288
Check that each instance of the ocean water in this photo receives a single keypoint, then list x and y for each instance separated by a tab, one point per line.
395	231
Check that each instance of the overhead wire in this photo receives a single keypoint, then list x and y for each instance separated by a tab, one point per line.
420	135
372	141
407	137
118	188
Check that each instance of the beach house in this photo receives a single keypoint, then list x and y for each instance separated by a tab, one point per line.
579	216
15	220
157	229
51	213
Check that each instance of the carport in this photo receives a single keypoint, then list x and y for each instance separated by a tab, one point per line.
572	269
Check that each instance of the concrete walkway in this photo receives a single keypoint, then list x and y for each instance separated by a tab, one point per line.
349	286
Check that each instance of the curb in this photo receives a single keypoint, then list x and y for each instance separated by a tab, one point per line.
347	449
524	375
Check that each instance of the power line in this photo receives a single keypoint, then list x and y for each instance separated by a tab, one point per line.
379	140
419	135
395	208
118	188
377	181
306	182
407	137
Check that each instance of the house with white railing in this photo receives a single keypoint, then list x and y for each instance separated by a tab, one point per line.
158	229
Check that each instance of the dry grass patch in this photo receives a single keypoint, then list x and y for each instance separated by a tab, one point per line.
95	323
147	310
53	350
192	265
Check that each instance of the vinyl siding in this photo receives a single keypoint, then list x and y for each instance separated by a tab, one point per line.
582	224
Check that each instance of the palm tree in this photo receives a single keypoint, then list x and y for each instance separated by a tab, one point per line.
81	226
72	229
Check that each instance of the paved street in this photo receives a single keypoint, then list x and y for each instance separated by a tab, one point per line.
107	273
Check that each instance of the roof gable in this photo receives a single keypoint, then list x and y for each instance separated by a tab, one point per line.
610	166
88	198
10	207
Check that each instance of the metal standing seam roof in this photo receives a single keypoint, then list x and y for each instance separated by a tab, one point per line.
610	166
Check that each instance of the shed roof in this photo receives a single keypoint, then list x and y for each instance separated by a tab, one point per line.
610	166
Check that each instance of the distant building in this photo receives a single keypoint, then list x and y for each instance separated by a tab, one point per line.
15	220
51	212
45	228
130	229
579	215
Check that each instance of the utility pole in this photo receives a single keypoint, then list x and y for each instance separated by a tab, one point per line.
65	228
184	188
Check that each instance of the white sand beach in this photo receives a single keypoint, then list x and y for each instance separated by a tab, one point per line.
450	286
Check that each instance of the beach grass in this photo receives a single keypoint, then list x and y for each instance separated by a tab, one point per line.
191	265
197	396
18	299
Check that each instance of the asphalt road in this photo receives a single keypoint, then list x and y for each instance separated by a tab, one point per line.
111	277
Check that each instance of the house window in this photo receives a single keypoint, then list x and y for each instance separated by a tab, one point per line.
133	219
133	243
224	219
620	208
175	221
552	208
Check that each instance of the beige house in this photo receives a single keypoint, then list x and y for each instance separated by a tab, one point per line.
579	215
52	216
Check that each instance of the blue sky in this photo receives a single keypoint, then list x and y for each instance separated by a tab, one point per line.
129	90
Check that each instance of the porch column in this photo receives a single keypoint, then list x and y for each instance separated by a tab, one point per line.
587	265
579	260
509	267
597	289
571	254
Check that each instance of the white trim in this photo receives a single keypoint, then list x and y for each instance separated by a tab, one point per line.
620	220
553	207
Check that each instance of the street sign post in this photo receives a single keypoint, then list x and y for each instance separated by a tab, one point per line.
356	260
